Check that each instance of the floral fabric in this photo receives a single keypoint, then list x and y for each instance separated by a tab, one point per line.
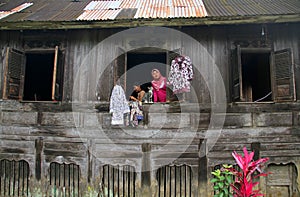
181	74
118	105
136	113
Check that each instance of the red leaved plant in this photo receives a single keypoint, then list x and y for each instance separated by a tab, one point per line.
244	183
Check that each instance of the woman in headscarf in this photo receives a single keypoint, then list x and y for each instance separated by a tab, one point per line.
159	86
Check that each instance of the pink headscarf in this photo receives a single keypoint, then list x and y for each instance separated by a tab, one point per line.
161	82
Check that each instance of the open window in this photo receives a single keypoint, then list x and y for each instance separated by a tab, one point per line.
140	64
33	76
135	66
260	75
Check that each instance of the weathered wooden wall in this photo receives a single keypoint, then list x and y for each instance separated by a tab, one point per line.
44	133
85	57
65	132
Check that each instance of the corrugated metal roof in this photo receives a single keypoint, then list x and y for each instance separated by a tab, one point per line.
14	10
49	10
102	10
251	7
68	10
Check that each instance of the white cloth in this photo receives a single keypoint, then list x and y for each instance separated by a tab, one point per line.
118	105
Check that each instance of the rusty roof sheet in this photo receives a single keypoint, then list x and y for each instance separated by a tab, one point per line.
102	10
171	9
14	10
251	7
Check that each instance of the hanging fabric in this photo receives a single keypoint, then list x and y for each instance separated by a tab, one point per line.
181	74
136	113
118	105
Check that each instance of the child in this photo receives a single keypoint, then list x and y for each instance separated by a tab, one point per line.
159	86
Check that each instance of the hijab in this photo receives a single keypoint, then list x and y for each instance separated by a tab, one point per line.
160	82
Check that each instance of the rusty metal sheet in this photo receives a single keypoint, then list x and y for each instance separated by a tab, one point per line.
102	10
19	8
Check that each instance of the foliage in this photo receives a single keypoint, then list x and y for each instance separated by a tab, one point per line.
244	183
222	181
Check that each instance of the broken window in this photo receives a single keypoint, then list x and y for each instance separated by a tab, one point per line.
262	75
33	76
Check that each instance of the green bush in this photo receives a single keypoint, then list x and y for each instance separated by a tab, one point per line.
222	180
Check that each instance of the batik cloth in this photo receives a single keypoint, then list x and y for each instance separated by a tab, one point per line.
136	113
118	105
181	74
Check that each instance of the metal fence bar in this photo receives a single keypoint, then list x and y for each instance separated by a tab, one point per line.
118	180
174	180
14	178
64	179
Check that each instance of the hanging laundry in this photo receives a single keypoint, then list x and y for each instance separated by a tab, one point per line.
181	74
136	113
118	105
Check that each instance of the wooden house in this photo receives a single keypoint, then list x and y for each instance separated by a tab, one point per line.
60	60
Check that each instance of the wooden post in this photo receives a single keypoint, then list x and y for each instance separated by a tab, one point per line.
146	169
38	158
90	161
255	146
202	169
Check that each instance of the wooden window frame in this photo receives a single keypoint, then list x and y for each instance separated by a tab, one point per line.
5	91
237	84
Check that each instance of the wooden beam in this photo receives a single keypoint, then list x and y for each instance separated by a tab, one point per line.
123	23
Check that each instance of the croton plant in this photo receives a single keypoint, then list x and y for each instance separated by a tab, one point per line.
244	183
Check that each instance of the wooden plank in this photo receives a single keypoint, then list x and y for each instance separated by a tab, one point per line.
54	73
5	71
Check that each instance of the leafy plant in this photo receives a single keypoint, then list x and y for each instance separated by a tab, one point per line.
244	183
222	181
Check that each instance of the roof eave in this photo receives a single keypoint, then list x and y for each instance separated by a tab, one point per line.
123	23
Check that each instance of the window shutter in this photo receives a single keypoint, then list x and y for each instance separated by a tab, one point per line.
14	72
237	80
283	76
120	68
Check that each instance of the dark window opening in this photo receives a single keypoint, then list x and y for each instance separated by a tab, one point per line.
256	77
38	77
140	65
33	76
